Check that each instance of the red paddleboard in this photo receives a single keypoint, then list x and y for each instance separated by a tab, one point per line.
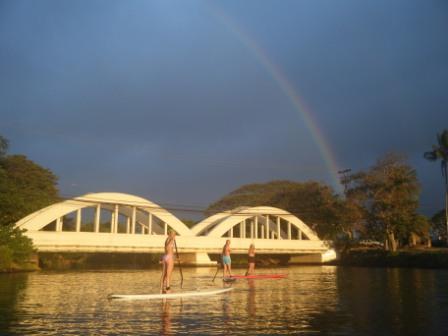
260	276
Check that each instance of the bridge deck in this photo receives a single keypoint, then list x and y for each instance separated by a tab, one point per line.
47	241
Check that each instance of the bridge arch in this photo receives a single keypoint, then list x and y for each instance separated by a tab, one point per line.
208	223
266	222
138	212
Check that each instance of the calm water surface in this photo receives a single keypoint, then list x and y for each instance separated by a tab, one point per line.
312	300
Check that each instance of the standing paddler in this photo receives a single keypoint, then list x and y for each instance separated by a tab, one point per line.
168	262
251	260
226	261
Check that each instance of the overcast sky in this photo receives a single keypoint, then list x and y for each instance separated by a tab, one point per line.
183	101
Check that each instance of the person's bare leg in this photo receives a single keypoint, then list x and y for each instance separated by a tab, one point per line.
226	270
170	268
250	269
163	278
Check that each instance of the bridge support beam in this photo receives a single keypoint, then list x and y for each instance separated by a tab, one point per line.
256	227
278	228
97	218
267	226
133	219
78	220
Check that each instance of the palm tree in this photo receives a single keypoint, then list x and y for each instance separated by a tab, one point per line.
440	151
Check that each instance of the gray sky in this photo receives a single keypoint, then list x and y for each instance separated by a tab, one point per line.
172	101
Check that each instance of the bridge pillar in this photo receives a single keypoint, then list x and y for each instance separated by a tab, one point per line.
278	228
78	220
59	224
97	218
267	226
196	259
133	219
256	227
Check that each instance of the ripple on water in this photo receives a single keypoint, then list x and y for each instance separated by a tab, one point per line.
316	299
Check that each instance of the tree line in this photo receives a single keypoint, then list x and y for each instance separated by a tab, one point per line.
379	203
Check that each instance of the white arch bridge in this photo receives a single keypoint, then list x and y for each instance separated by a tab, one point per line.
116	222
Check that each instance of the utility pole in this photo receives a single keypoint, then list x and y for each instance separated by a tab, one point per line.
344	178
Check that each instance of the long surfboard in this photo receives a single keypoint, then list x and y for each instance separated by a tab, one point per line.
169	295
260	276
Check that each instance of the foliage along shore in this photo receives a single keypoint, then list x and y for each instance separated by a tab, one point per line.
85	261
410	258
434	258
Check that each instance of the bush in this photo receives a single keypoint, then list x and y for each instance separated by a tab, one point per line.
5	258
19	247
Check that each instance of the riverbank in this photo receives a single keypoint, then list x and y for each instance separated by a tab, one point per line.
84	261
24	267
9	266
436	258
415	258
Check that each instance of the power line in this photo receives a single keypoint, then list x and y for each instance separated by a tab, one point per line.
186	208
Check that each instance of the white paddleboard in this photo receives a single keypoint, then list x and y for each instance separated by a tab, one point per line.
170	295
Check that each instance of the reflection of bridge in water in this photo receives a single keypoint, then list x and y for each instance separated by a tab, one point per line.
115	222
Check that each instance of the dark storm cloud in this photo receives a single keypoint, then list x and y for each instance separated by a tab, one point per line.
162	99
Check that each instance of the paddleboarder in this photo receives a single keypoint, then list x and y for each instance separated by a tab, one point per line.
168	262
226	261
251	260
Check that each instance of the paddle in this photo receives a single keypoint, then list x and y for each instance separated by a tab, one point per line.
217	269
180	268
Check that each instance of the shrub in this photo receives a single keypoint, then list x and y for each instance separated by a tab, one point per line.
5	258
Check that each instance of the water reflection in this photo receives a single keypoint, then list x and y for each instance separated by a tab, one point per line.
166	317
326	300
11	293
403	301
251	306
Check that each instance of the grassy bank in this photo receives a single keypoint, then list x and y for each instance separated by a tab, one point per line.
23	267
424	258
7	265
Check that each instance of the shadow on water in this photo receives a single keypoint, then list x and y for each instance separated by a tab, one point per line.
12	288
379	301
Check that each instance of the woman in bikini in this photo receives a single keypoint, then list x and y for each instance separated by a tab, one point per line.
167	263
251	260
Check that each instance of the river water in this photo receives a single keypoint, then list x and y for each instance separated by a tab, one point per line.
323	300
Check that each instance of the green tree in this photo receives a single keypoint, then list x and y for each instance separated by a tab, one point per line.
438	225
440	151
15	248
388	195
24	188
314	203
3	146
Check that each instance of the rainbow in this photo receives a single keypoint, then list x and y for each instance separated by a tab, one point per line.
285	85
